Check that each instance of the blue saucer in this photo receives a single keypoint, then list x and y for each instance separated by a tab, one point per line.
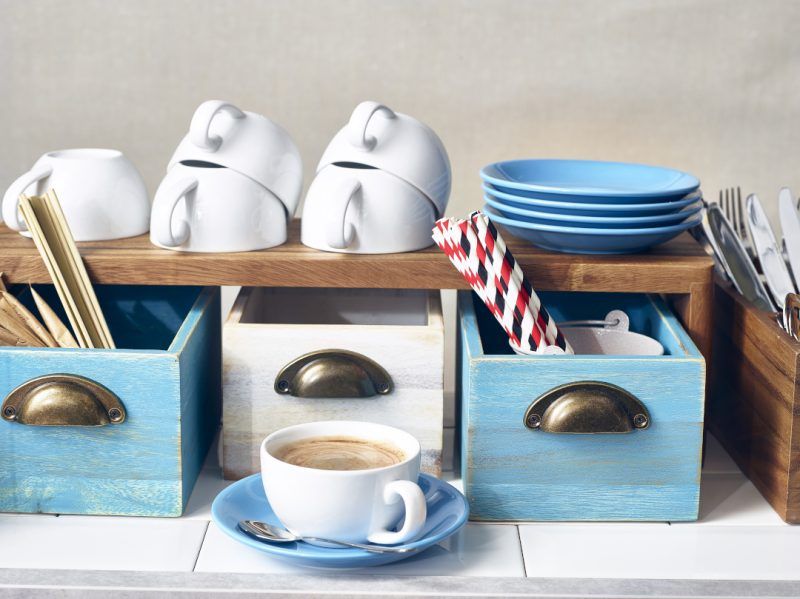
589	181
585	240
597	222
580	208
245	500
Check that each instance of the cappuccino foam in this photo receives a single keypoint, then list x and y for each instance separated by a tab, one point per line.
339	453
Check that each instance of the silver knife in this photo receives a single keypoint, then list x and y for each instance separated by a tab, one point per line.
790	223
730	253
769	254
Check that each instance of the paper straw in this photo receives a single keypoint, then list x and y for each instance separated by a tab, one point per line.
545	321
448	236
480	254
530	331
502	295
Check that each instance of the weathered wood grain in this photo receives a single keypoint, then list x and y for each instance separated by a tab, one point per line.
670	268
678	267
755	390
695	312
147	465
513	473
258	342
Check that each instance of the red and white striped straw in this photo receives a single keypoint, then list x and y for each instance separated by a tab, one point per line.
449	237
545	321
480	254
516	296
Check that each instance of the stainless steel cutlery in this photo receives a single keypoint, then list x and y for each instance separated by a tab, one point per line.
790	224
727	246
742	240
730	200
270	533
769	252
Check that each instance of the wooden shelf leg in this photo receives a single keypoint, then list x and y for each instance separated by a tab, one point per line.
695	311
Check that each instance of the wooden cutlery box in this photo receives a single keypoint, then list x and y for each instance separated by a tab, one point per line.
114	432
640	419
300	355
754	404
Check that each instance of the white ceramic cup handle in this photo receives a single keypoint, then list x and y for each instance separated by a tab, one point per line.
11	214
415	514
201	123
163	209
357	126
338	234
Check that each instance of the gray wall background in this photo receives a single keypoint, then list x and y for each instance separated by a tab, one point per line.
712	86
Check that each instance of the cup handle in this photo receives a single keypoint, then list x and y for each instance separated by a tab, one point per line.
11	198
416	511
338	234
163	209
201	123
357	126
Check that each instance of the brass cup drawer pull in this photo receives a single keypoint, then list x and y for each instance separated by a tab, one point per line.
587	407
333	373
62	400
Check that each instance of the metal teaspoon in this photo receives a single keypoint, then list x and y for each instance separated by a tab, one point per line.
275	534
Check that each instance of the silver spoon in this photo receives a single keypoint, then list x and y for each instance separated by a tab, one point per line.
275	534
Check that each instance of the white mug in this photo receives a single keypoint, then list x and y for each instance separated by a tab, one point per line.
101	192
245	142
365	211
214	209
346	505
396	143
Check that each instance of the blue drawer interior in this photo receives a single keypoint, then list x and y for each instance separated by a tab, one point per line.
648	316
139	317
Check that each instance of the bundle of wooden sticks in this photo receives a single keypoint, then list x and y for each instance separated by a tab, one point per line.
45	220
20	327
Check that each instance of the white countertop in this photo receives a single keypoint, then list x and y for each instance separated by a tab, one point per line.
738	537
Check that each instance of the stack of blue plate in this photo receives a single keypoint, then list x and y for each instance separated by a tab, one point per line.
589	207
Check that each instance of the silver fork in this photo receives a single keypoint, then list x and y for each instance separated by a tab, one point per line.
733	207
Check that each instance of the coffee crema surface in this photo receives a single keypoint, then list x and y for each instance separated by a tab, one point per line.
339	453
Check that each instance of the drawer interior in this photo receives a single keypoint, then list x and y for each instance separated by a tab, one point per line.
648	315
402	307
139	317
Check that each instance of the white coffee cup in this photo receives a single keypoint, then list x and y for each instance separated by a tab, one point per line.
215	209
611	342
365	211
101	192
245	142
608	337
396	143
346	505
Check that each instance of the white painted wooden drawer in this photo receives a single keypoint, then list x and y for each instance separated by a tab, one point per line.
268	328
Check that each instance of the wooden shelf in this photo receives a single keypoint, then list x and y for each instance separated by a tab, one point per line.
679	268
674	267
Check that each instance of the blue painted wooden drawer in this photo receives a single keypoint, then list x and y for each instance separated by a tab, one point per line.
513	472
167	374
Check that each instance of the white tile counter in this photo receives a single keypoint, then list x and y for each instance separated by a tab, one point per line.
738	538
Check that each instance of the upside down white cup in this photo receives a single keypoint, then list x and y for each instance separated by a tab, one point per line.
208	208
245	142
365	211
399	144
346	505
101	192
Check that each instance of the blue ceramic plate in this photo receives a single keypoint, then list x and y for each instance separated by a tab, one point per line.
245	500
585	240
589	181
566	208
597	222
